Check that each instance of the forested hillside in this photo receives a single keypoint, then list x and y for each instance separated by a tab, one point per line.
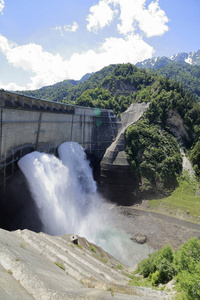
69	90
118	89
183	68
187	75
155	157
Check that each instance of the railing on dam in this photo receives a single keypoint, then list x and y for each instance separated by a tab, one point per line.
29	124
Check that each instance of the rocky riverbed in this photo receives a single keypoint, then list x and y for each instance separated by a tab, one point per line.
158	229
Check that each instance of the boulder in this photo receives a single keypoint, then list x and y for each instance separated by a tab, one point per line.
139	238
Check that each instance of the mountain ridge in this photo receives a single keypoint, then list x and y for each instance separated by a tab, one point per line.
184	66
191	58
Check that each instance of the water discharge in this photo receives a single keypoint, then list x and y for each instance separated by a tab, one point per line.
67	201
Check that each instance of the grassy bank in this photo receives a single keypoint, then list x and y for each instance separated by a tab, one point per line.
182	203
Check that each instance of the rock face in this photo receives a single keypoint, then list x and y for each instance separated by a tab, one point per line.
117	180
39	266
177	125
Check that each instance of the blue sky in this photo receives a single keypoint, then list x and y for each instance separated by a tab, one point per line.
43	42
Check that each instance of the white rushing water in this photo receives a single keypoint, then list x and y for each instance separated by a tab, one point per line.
64	190
65	195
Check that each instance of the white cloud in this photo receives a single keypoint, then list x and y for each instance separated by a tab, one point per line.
101	15
12	86
60	29
153	21
68	28
47	69
72	28
131	10
133	17
114	50
131	49
2	5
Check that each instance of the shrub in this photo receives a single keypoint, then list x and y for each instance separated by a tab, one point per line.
145	267
159	266
188	255
184	266
165	253
166	271
190	283
155	278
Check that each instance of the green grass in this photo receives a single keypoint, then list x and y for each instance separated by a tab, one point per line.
180	296
78	245
111	291
10	272
138	281
182	200
119	266
92	248
100	258
60	265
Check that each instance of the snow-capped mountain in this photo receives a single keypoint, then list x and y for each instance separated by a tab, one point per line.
192	58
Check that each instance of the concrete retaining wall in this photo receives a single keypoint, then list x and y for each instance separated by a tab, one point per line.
29	124
118	182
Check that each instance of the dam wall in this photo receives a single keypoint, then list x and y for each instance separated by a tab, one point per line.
30	124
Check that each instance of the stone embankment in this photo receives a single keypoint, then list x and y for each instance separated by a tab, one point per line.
39	266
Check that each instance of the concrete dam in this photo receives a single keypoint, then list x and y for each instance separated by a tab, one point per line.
29	124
